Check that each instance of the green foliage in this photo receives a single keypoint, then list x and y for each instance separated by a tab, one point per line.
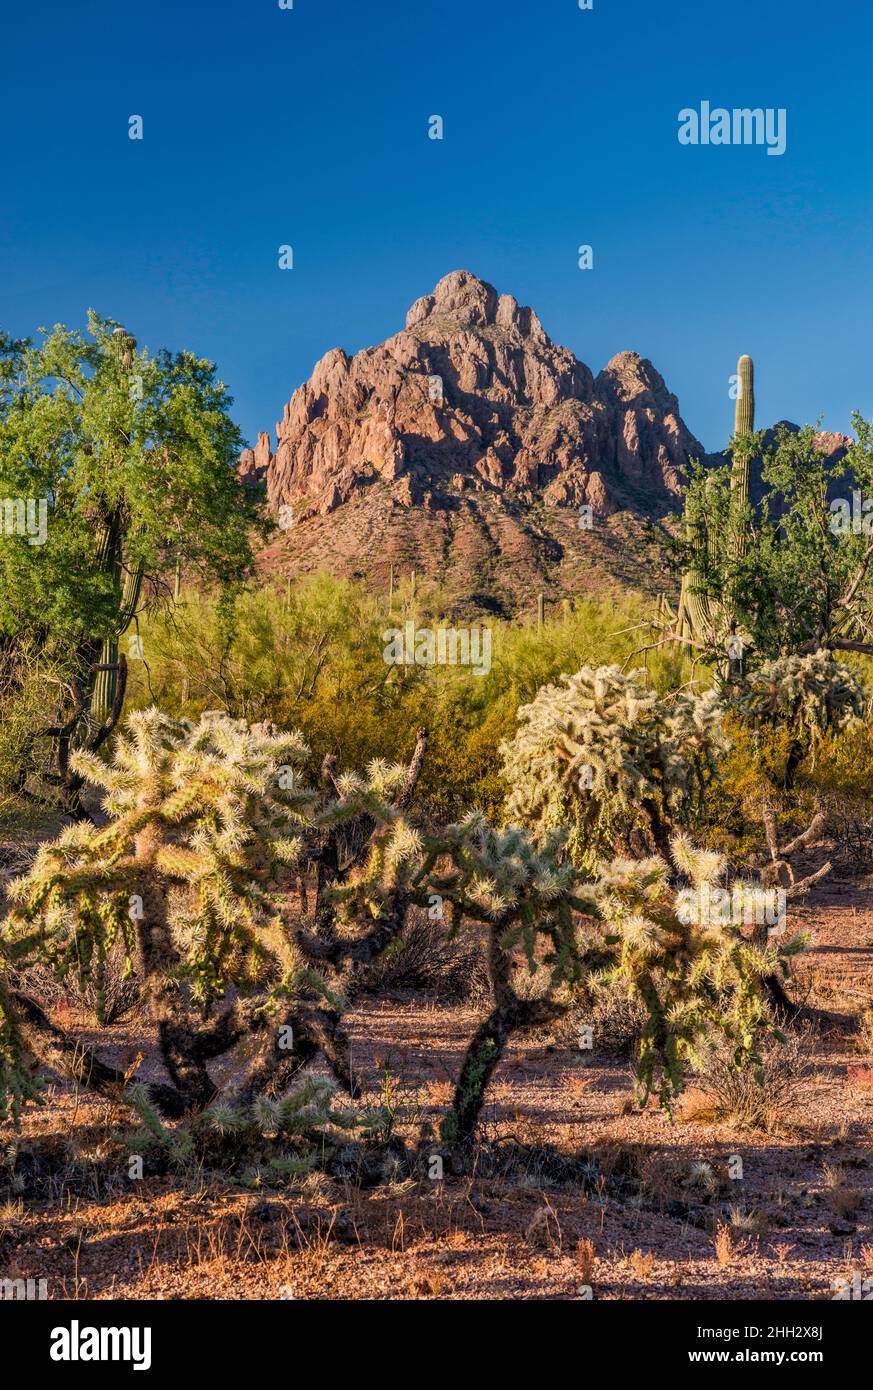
29	683
131	461
313	660
800	580
114	440
609	759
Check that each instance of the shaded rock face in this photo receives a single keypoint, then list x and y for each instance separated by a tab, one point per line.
833	445
473	398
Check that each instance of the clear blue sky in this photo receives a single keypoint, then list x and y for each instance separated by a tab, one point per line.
309	127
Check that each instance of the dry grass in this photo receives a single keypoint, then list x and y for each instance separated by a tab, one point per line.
641	1264
586	1259
844	1200
728	1249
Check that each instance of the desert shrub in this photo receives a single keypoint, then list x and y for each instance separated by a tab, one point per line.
766	1098
29	692
266	1143
107	991
424	957
611	761
843	781
761	768
617	1017
844	1199
592	632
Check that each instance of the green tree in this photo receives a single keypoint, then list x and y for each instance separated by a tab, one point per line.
115	467
801	580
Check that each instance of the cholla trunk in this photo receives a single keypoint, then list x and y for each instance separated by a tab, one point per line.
156	960
487	1044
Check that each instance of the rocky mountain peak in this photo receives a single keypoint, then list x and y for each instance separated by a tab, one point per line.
472	397
462	300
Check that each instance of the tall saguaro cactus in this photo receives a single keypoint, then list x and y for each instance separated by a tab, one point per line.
106	683
744	415
744	425
698	612
741	457
701	617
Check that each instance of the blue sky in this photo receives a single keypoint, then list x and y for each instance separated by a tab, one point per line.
308	127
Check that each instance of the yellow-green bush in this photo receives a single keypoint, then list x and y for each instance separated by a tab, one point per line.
311	657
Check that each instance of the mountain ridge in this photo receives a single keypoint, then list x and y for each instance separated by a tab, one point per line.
472	449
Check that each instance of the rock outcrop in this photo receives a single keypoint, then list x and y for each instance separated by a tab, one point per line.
472	398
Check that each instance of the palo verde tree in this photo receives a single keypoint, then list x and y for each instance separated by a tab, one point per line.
115	466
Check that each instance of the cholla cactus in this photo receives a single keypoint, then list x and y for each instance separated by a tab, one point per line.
694	955
609	760
199	827
271	1139
806	697
208	824
527	896
812	694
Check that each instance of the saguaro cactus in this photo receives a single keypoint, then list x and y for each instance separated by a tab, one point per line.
106	683
744	415
700	616
744	425
698	612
